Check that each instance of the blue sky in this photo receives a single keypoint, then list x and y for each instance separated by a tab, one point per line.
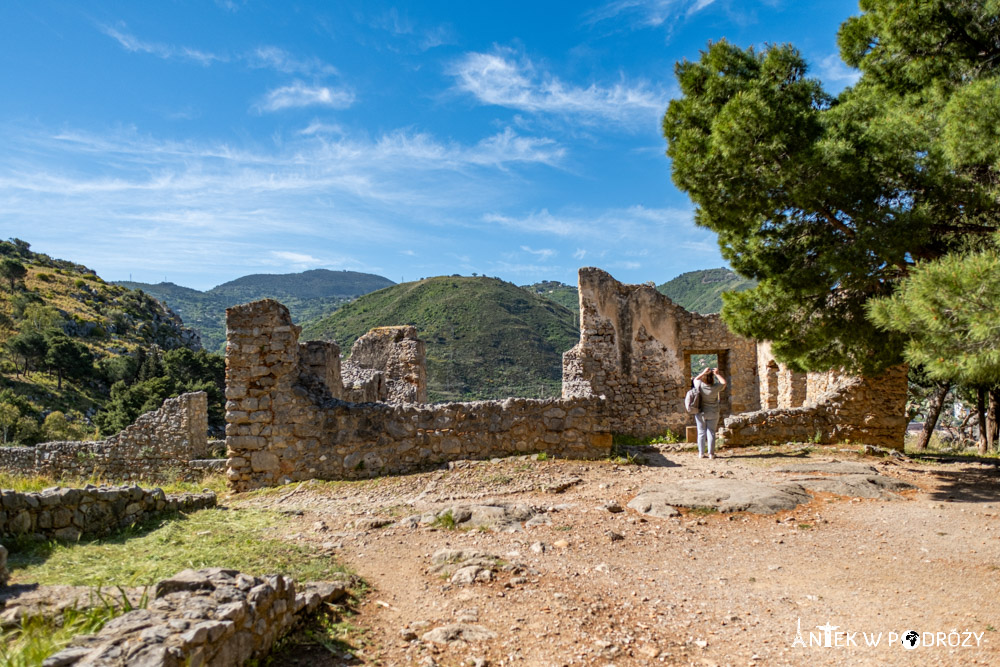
200	141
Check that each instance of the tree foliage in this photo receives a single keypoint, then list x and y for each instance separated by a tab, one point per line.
949	310
830	201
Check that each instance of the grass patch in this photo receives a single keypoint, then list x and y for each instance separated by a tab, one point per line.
445	521
34	483
624	440
146	553
336	635
542	456
38	637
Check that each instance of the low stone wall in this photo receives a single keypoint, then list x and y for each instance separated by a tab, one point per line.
212	617
861	410
279	430
68	514
159	441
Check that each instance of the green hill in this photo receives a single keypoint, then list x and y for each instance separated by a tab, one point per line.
563	294
66	336
695	291
485	338
308	295
701	291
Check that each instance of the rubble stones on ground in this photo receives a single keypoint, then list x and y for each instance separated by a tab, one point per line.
502	517
213	617
468	566
67	514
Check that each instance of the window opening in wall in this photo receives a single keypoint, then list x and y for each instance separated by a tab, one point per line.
700	362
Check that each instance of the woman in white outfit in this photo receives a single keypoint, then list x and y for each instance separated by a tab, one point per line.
710	383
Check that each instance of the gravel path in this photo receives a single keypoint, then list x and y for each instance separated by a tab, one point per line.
591	582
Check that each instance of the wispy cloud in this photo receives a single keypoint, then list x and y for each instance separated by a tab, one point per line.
579	254
299	94
401	25
833	71
132	43
647	13
502	78
279	60
262	57
543	253
297	259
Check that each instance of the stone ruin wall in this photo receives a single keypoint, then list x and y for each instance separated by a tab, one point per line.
635	348
851	409
213	616
283	425
828	407
387	365
68	514
161	441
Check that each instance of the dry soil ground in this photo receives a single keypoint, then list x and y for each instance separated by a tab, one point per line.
600	587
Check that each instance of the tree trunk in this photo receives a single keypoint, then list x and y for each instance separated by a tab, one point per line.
992	421
981	409
933	412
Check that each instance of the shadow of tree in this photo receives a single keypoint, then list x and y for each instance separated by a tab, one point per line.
967	484
26	551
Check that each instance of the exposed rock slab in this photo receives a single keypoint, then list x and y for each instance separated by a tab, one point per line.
829	468
723	495
456	632
856	486
507	517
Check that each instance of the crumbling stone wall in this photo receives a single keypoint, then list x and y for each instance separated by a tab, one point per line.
281	429
399	356
212	617
853	409
635	349
781	387
66	514
161	440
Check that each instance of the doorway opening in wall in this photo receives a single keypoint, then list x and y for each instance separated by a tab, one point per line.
700	362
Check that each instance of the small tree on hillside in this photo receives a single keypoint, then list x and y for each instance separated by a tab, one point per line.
67	358
950	311
9	414
12	271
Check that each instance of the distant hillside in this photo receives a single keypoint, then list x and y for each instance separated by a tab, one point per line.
308	295
563	294
66	336
701	291
485	338
695	291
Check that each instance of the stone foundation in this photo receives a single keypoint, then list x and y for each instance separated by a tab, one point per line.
164	440
859	410
212	617
280	428
68	514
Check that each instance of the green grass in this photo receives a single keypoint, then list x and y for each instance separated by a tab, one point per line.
29	644
624	440
34	483
445	521
144	554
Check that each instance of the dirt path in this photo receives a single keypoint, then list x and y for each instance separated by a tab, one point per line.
602	587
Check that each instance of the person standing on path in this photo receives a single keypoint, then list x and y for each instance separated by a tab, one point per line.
710	383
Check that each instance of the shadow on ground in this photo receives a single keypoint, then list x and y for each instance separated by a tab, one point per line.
968	485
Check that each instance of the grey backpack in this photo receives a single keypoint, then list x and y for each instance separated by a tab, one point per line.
692	401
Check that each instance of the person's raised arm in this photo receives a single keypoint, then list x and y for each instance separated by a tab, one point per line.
718	376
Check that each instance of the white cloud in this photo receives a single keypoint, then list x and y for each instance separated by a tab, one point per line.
298	94
279	60
543	254
833	70
134	44
296	258
579	254
502	79
648	13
